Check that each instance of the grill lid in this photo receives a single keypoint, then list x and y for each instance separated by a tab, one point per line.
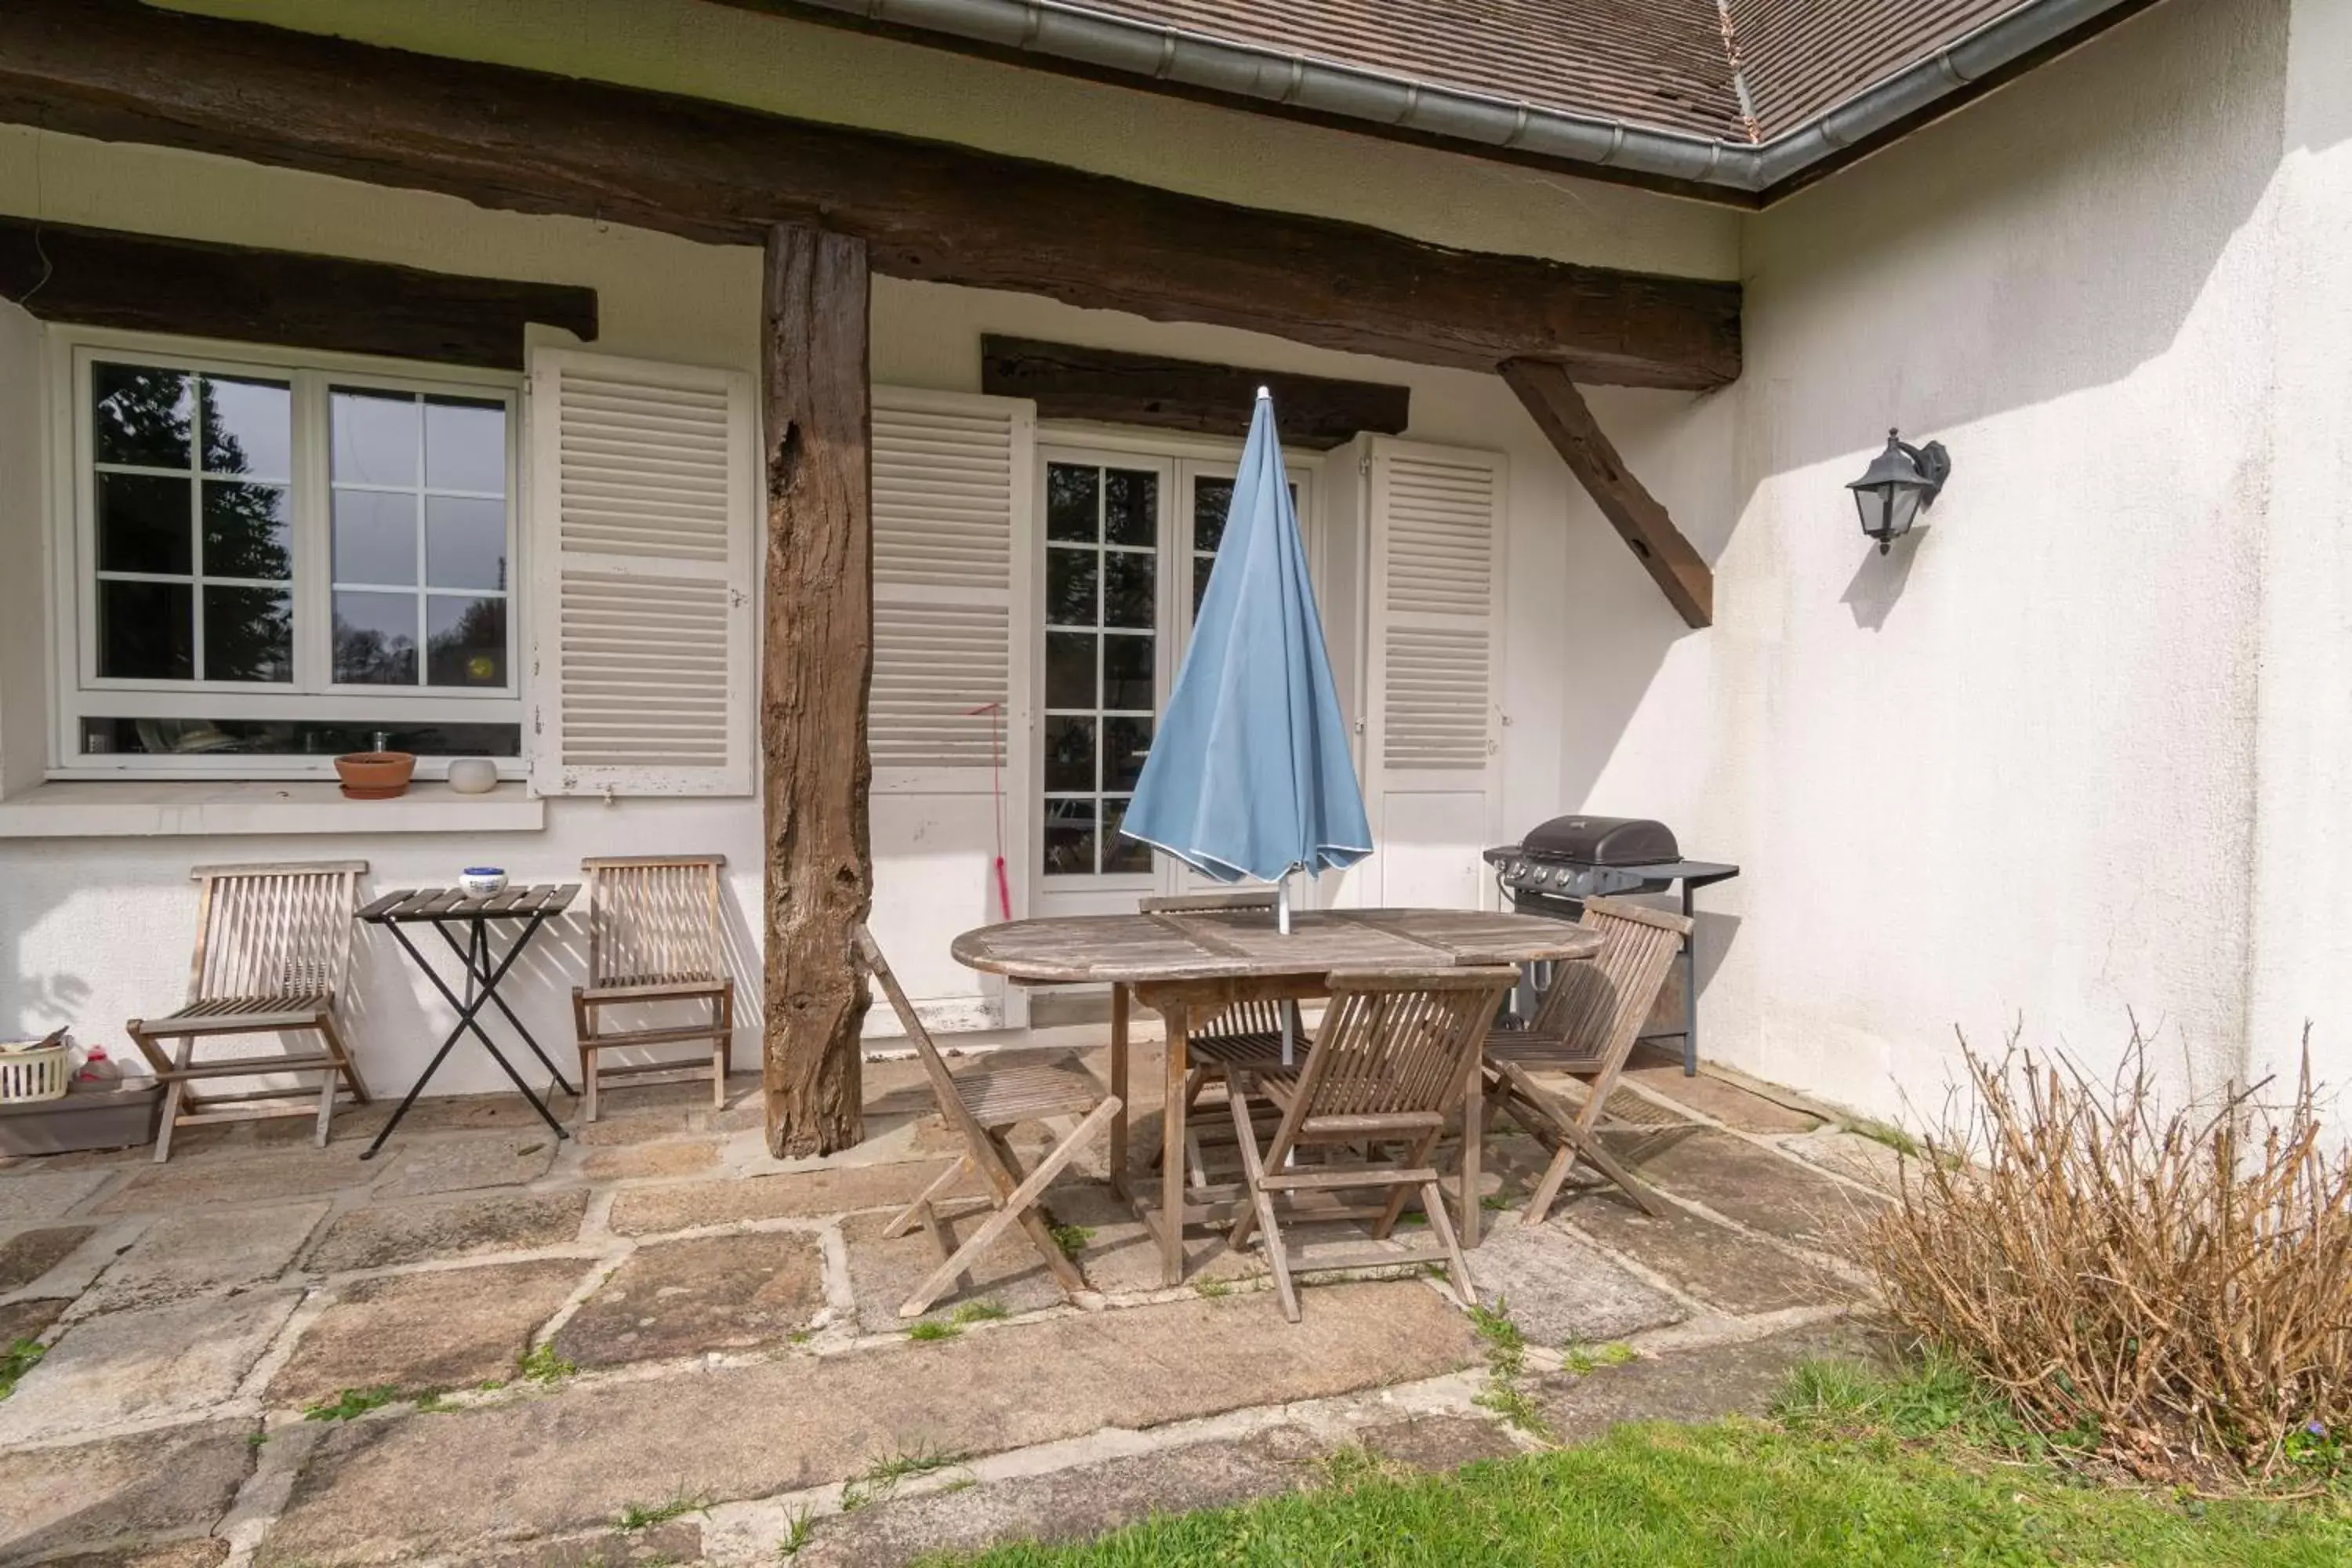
1602	841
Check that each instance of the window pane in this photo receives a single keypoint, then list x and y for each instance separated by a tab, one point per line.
1070	581
1201	569
142	524
1127	588
1127	673
1121	854
375	438
465	544
1070	847
466	641
295	737
141	415
1069	670
1132	506
247	427
1069	754
248	634
1073	495
146	631
1212	499
375	537
1125	744
375	639
247	530
465	445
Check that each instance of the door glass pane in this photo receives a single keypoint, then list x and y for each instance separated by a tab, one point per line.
1072	577
375	639
1127	673
248	634
1070	847
1102	574
1070	670
1069	754
1121	855
1125	744
1127	588
1131	507
1073	502
146	631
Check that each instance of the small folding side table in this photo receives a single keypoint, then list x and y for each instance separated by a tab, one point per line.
445	910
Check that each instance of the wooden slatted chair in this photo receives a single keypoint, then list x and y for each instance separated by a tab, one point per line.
998	1099
273	950
1238	1034
1391	1061
1585	1027
657	933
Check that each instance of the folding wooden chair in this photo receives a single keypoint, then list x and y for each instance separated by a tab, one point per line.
999	1099
273	948
657	932
1585	1027
1390	1061
1238	1034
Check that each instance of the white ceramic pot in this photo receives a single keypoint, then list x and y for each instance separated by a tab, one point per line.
473	775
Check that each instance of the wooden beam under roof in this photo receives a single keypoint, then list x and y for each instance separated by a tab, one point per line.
1566	420
531	142
139	282
1109	387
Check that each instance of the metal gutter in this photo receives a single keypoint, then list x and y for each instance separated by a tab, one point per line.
1074	33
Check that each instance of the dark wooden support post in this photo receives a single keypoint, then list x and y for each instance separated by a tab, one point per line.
1673	562
815	661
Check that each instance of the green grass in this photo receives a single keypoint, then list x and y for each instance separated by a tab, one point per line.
353	1401
638	1516
796	1535
1855	1469
1884	1132
980	1312
1736	1492
1073	1238
1580	1357
883	1477
926	1332
17	1360
541	1364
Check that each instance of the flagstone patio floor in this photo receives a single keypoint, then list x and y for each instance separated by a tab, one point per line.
652	1342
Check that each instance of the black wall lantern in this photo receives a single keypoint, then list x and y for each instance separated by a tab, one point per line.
1899	484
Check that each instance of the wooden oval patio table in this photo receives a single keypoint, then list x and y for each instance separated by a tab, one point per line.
1184	964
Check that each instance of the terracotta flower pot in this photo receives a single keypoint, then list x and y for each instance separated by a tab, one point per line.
374	775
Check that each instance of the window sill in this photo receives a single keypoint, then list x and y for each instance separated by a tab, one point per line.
147	809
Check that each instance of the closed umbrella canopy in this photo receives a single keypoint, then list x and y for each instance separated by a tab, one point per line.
1249	773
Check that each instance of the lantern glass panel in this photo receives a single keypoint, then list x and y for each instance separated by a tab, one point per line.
1902	508
1872	503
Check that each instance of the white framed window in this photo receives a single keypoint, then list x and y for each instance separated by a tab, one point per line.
264	558
1128	529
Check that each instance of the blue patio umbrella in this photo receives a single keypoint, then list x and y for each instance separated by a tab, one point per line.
1249	773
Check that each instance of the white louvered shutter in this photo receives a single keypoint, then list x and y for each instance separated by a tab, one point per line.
645	514
948	720
1434	647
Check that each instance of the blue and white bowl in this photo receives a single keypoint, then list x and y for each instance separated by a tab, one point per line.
481	881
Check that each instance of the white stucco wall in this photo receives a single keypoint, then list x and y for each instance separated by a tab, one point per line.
93	931
2007	773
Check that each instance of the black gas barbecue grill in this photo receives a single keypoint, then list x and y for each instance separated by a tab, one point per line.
1571	859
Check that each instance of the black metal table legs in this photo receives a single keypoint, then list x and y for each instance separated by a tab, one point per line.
482	979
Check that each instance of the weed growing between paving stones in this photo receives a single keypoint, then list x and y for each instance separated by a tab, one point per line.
927	1332
1579	1358
351	1403
882	1480
1213	1288
636	1517
2170	1286
541	1364
1507	1361
16	1360
980	1312
1073	1238
796	1535
1884	1133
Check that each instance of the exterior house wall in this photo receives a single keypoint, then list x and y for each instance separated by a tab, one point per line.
96	930
2007	773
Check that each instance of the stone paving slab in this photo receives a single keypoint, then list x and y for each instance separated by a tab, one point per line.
457	1164
662	1546
1852	1157
639	1161
1561	1290
1722	1267
883	1272
1698	1384
1761	1189
205	1552
610	1132
29	1197
445	1328
432	1113
28	1255
686	1298
428	1229
1726	1103
28	1319
289	1174
378	1490
798	1194
155	1488
158	1362
194	1254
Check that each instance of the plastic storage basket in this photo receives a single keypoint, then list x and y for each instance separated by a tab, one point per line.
32	1070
